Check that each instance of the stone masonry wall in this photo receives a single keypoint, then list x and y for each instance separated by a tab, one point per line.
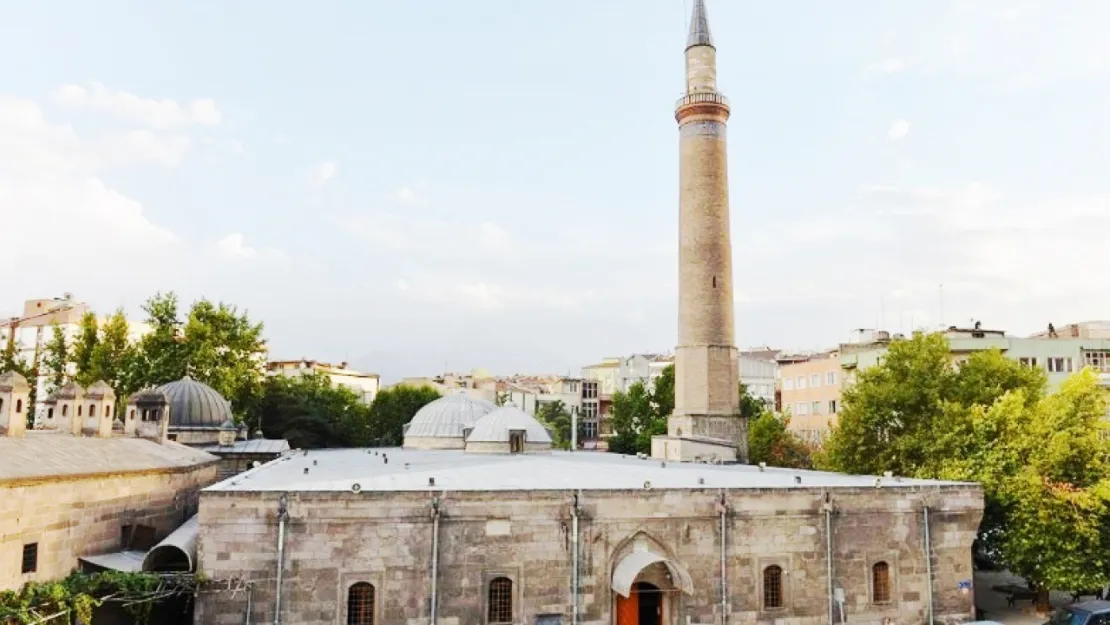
75	517
334	540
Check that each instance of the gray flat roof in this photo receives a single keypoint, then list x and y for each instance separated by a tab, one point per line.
452	470
251	446
42	454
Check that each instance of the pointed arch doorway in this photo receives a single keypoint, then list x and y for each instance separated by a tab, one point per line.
648	589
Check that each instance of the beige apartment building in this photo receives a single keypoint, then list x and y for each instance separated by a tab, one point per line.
811	394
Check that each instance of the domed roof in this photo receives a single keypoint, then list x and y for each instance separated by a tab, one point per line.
195	405
447	416
495	427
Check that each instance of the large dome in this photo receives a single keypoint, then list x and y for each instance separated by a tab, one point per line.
496	426
195	405
442	423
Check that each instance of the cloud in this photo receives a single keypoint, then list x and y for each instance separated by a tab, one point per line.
322	173
154	113
406	195
899	128
232	245
402	285
890	65
237	148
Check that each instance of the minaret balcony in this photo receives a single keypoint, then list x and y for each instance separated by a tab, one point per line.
702	98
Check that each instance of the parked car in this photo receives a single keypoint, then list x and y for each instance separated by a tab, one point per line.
1095	612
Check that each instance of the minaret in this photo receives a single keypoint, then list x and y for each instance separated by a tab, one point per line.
706	424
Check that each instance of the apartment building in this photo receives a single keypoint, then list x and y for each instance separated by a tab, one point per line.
365	385
810	394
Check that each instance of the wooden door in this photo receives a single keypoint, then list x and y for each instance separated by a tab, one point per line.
628	610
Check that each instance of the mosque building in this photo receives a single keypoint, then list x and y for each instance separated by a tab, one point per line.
475	520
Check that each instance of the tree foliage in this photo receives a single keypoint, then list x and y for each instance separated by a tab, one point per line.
1041	458
770	441
84	345
74	598
55	359
556	418
311	413
637	416
392	409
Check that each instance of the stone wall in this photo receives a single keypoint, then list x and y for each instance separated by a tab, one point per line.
74	517
334	540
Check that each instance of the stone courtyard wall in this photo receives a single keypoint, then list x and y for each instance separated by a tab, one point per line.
334	540
72	517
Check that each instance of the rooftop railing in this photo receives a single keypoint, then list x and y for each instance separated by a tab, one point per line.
701	98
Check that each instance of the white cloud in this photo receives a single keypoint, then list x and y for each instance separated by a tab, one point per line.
237	148
322	173
899	128
232	245
890	65
402	285
154	113
406	195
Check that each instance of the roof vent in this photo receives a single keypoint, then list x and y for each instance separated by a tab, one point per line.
431	481
888	474
663	464
878	482
406	466
313	463
356	487
762	467
647	485
797	479
701	480
385	458
306	470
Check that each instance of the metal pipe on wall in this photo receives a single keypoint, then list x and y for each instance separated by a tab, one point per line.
435	557
829	558
283	516
724	558
928	565
574	562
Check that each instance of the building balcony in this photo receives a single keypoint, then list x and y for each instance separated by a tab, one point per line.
701	98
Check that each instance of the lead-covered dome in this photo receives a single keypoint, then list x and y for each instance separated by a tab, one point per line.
195	405
508	430
443	423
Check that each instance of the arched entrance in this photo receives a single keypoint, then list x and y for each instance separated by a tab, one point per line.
645	606
648	589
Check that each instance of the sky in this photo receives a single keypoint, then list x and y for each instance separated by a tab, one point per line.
435	185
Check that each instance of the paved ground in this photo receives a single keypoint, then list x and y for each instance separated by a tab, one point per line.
994	603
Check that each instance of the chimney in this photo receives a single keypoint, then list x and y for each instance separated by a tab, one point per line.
15	398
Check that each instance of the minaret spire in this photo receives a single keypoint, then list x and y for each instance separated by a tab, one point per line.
699	27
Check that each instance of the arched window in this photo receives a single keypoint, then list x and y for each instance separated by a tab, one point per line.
79	411
107	411
65	410
92	411
19	406
49	413
360	604
772	587
1	404
501	600
132	417
880	582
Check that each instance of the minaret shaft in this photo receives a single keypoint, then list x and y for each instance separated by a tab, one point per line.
706	423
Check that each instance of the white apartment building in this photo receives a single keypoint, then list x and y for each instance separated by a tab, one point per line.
758	376
365	385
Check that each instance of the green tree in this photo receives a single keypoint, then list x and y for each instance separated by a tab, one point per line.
161	352
662	393
770	441
636	418
392	409
311	413
55	360
556	418
84	346
114	355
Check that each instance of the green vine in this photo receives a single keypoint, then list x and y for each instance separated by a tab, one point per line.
74	598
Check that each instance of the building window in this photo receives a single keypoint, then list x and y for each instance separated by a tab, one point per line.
516	441
1028	362
49	413
65	410
801	382
79	411
815	380
19	406
589	430
501	600
832	406
830	378
360	604
1097	360
788	384
589	410
107	411
1059	365
92	410
772	588
815	407
801	408
30	558
132	416
880	582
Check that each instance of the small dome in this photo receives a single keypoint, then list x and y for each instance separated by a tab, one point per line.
447	417
195	405
495	427
99	390
70	391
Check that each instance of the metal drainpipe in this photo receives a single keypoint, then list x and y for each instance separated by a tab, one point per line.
435	556
283	515
250	602
928	564
724	558
829	557
574	561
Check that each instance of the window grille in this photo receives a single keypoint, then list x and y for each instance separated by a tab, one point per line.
30	558
880	582
360	604
501	600
772	587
